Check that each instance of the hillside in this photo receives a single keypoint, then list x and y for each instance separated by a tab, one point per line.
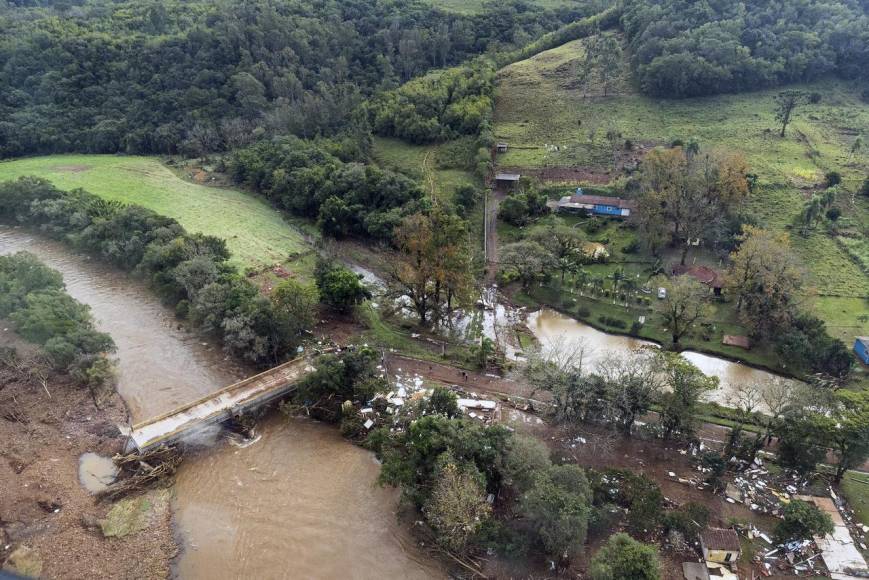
557	129
256	234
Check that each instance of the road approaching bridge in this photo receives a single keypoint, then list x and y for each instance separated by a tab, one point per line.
218	406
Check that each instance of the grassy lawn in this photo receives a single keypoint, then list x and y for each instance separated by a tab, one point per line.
550	121
257	235
855	488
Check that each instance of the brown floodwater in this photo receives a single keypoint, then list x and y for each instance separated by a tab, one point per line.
300	502
556	331
160	365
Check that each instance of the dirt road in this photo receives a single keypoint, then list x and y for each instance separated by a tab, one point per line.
493	202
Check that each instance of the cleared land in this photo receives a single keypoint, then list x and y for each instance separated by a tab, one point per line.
435	166
256	234
557	127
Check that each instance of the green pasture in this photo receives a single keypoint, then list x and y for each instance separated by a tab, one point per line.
256	234
432	165
549	120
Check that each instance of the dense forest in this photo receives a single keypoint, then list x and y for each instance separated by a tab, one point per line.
193	77
682	48
306	179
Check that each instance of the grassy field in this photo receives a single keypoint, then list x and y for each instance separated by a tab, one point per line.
430	164
551	122
257	235
855	488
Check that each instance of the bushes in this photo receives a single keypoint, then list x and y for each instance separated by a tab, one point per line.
349	376
623	558
612	322
33	298
557	509
189	271
340	288
802	521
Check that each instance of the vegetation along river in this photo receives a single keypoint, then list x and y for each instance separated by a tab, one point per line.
298	503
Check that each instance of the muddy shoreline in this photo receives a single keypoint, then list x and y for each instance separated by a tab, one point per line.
50	525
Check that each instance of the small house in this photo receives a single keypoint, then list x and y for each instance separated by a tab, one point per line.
861	349
597	205
501	147
703	274
506	180
720	545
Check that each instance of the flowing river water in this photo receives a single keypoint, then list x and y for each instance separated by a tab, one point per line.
299	503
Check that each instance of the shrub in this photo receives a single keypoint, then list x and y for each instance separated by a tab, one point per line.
624	558
557	509
443	402
801	521
689	520
833	214
632	247
815	98
832	178
340	288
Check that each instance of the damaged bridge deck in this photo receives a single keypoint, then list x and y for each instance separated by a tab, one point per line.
218	406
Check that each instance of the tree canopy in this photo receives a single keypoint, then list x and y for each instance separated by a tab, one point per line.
682	48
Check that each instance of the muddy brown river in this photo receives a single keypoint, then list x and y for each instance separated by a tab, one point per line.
298	503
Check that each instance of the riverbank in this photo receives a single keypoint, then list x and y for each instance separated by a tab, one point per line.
299	499
749	358
50	525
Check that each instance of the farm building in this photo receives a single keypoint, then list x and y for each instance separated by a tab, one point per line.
861	349
596	204
720	545
702	274
506	180
501	147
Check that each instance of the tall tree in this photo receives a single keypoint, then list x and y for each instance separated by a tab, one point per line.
786	103
435	271
684	197
687	385
766	279
686	303
633	384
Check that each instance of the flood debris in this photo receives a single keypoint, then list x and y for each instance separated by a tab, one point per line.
140	472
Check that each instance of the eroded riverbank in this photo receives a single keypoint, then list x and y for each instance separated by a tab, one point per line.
300	502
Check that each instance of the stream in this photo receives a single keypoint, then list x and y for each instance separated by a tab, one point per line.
299	503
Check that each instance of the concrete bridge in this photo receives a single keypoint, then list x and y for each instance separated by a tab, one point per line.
218	406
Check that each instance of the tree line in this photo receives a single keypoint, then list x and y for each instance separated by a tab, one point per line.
189	271
681	48
34	299
193	77
305	179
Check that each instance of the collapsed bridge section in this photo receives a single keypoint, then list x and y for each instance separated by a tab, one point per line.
218	406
